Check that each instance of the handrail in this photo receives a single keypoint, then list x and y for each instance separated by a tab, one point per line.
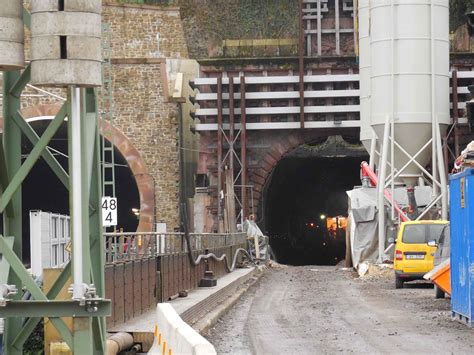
121	246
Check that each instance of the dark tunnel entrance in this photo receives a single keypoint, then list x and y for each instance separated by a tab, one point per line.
306	208
42	190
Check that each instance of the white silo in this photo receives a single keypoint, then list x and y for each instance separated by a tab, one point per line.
410	77
11	35
366	130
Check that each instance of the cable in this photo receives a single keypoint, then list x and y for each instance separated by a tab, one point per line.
201	257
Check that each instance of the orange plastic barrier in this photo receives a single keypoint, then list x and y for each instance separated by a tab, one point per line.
441	276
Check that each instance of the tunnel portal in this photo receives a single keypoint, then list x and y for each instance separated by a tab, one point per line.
52	196
305	207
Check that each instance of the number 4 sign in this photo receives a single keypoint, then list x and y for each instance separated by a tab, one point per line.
109	211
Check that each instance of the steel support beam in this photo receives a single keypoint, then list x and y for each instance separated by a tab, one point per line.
231	126
243	148
301	65
33	157
17	268
12	223
219	153
31	323
4	179
45	154
56	308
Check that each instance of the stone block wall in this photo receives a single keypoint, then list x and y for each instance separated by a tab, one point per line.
145	31
142	37
151	124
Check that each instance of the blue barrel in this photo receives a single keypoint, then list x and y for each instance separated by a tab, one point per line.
461	189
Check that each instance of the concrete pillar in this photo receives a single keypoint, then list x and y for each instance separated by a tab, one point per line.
11	35
66	42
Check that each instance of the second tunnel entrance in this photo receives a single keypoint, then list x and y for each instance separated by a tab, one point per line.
305	205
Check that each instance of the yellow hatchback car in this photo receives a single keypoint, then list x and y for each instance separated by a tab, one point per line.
415	248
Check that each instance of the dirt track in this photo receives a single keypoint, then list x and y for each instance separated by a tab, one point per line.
318	309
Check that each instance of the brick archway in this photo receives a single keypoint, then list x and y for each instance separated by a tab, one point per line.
269	161
145	182
328	144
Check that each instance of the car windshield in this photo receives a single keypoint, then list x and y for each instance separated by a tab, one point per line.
422	233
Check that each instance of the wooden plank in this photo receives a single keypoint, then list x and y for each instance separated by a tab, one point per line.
282	110
284	79
284	125
275	95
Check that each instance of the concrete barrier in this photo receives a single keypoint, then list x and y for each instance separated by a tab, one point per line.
175	337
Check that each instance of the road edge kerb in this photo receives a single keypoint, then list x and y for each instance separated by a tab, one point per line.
210	320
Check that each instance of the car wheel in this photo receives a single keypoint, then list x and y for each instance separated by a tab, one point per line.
439	293
398	282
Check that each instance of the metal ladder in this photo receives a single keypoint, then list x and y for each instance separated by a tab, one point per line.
107	114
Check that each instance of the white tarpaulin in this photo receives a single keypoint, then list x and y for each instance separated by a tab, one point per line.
363	217
363	222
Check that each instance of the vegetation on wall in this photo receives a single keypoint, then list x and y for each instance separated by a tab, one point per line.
244	19
208	22
457	12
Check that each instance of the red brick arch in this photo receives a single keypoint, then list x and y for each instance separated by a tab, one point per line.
268	162
145	182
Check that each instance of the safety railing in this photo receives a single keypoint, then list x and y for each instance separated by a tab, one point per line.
132	246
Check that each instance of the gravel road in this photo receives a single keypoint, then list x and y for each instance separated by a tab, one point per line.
320	309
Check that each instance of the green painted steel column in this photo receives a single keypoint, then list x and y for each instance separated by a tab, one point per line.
97	252
12	224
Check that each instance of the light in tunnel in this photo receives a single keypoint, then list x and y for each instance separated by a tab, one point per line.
304	191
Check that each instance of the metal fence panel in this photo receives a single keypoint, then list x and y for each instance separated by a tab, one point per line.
128	290
145	284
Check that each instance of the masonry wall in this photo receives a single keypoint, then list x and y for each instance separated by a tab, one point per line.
145	31
150	123
141	38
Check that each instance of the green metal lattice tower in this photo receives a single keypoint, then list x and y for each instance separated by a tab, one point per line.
88	312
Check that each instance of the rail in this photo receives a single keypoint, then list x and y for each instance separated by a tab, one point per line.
133	246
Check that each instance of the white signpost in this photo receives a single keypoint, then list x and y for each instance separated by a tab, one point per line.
109	211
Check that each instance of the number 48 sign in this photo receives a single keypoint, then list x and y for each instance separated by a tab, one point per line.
109	211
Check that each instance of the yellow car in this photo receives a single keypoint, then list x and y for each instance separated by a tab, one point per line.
415	247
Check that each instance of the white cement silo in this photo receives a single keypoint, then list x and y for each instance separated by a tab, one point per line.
11	35
410	75
66	42
366	131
